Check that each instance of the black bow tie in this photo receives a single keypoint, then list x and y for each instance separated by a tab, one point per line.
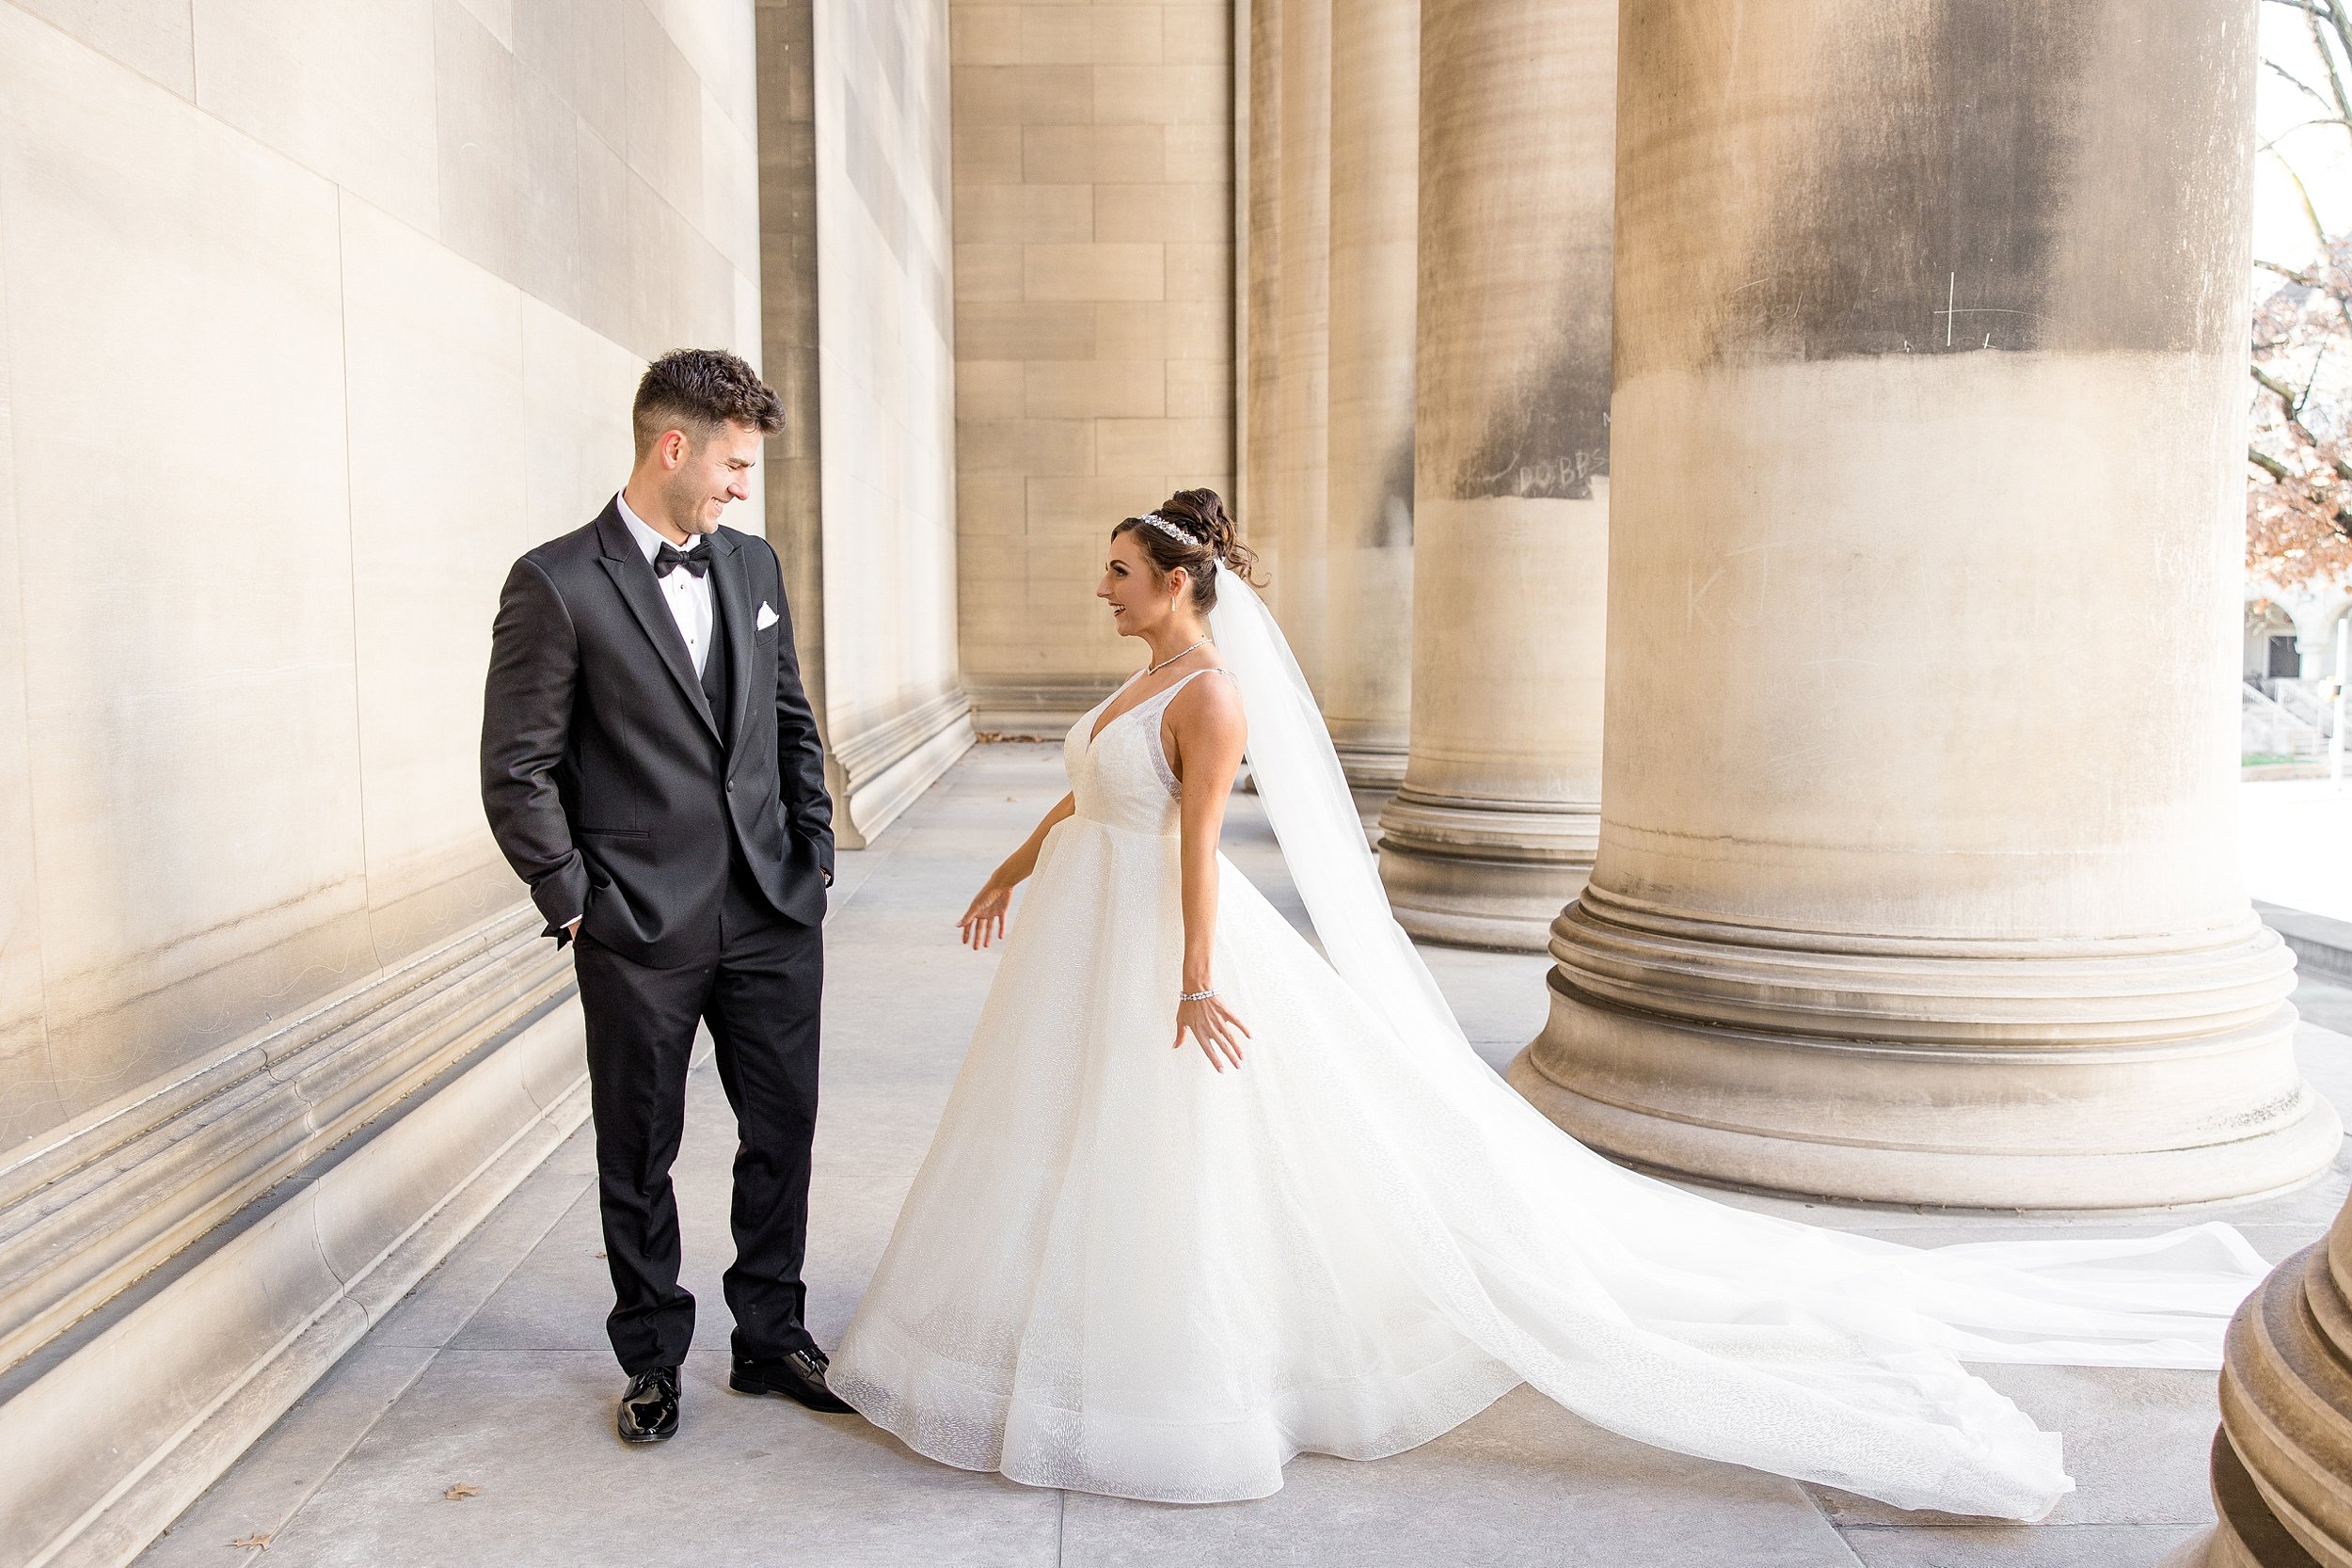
669	558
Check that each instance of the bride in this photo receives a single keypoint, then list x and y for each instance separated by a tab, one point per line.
1203	1198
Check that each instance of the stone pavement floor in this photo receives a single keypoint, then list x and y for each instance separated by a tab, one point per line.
473	1425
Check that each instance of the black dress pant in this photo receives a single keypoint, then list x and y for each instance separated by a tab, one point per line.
759	990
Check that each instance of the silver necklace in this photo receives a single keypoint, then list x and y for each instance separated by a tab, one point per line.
1156	668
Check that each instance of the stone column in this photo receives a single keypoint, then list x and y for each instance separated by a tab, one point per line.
793	496
1376	150
1262	290
1916	879
1304	249
2283	1460
1494	827
868	552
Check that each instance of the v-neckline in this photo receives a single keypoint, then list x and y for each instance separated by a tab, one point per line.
1102	726
1097	730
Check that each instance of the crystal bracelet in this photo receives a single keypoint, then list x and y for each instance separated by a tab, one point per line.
1196	995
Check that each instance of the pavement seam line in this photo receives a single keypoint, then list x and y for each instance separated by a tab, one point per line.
328	1471
523	1254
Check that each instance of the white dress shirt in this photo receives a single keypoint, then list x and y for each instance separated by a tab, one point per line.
688	596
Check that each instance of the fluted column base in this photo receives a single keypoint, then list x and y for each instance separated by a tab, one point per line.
2048	1074
1371	764
1484	873
2248	1535
1374	768
2283	1460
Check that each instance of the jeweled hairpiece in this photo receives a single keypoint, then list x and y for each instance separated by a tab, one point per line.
1179	535
1167	528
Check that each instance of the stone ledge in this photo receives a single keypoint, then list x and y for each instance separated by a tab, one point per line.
105	1447
2321	947
112	1199
1038	709
882	769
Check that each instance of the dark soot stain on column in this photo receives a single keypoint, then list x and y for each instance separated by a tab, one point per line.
1548	438
1394	526
1921	210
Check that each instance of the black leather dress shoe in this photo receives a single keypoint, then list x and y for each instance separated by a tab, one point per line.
648	1410
798	1376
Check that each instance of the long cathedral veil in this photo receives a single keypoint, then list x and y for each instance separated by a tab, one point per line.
1314	815
1816	1319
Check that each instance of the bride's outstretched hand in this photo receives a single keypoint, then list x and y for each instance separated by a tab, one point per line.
1213	1026
984	921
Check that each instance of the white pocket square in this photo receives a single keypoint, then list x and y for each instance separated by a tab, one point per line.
765	618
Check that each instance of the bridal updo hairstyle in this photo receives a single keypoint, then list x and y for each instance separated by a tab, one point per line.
1209	537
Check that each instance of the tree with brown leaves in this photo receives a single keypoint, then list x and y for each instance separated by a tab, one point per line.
2298	506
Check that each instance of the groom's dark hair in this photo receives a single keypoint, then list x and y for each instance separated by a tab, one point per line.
698	390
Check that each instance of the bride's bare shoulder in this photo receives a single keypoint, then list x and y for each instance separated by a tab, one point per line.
1207	710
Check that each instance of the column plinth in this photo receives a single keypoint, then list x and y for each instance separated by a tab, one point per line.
2283	1459
1375	764
1976	1073
1483	873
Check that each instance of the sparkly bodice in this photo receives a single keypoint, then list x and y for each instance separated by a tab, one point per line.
1122	777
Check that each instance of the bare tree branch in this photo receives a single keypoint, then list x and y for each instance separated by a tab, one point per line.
2294	418
2306	6
2272	144
2300	86
2327	56
2286	271
2342	24
2271	383
2328	15
2319	230
2343	304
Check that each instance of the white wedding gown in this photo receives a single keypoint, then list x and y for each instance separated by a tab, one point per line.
1121	1271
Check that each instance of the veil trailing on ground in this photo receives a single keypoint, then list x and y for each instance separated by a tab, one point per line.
1882	1323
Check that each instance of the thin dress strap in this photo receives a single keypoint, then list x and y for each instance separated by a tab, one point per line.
1182	682
1159	753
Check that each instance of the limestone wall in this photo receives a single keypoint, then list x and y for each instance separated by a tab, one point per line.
886	377
312	318
1093	268
854	222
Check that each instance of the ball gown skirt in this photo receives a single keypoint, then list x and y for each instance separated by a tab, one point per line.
1121	1271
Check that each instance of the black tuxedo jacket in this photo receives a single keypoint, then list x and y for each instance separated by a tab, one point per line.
612	787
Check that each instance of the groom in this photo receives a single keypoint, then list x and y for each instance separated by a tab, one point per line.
651	768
